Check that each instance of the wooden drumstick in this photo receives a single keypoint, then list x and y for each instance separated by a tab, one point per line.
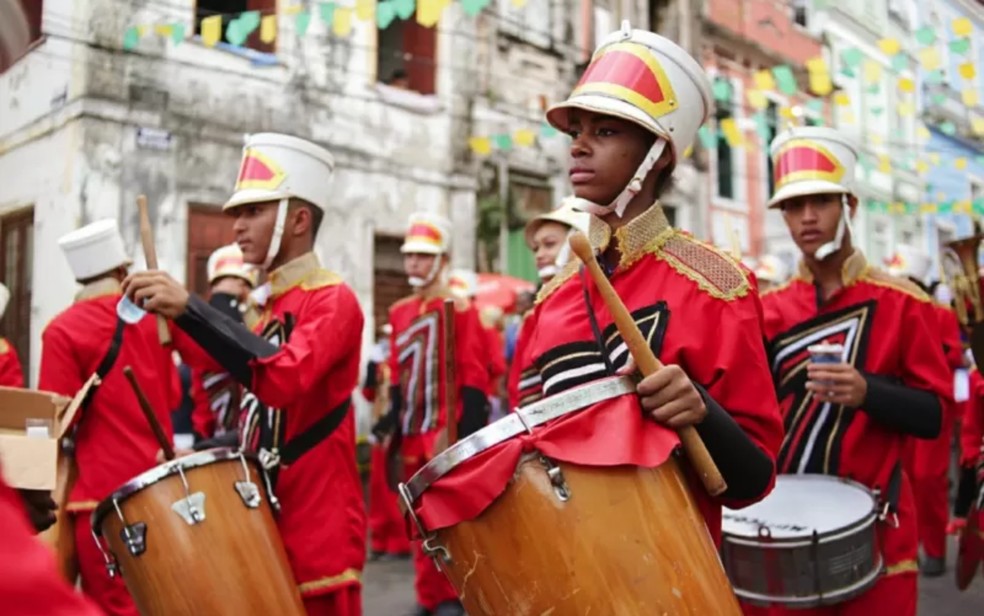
450	387
148	412
150	254
647	362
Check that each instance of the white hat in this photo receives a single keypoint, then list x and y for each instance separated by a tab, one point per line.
15	36
428	234
812	160
228	261
909	261
463	283
771	268
4	298
95	249
647	79
566	215
278	167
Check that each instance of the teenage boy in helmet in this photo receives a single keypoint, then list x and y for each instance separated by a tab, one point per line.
634	112
418	415
850	419
300	367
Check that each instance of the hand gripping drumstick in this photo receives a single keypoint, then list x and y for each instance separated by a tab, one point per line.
646	361
148	412
150	253
450	386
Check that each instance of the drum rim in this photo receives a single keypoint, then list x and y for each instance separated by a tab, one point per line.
816	600
522	420
866	520
163	471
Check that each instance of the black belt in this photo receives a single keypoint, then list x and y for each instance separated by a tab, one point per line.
305	441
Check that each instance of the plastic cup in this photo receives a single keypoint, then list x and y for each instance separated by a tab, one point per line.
129	312
826	354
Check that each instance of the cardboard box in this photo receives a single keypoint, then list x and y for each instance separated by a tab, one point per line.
29	457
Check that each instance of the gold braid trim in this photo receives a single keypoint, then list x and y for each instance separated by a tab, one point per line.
714	272
904	566
562	276
345	577
881	278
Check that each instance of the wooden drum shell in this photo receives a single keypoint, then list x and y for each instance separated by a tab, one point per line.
233	562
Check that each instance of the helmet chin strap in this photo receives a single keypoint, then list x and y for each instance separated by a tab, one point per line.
632	188
278	233
844	225
418	283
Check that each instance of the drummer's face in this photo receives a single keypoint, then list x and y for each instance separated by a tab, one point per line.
547	242
418	264
605	153
253	226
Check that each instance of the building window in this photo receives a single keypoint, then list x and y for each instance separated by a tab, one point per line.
208	229
389	282
659	14
405	57
725	156
530	22
800	15
230	10
17	267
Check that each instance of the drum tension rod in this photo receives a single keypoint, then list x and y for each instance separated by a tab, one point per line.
427	544
557	479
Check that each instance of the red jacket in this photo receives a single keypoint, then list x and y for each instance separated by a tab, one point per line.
29	580
113	443
317	322
693	304
972	423
11	372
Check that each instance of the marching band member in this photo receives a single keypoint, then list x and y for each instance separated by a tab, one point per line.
300	366
633	114
546	235
113	443
928	460
217	394
850	419
417	408
11	372
770	272
970	483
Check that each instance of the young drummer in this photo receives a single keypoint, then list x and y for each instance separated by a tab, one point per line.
300	364
633	114
851	419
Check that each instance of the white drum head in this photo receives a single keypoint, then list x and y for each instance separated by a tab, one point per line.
800	505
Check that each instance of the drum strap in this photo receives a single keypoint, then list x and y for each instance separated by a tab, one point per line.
320	430
890	504
109	359
595	329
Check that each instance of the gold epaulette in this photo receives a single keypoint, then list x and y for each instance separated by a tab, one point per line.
565	273
4	346
882	278
714	271
319	279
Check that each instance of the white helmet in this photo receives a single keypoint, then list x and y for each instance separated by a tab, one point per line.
228	261
95	249
278	167
568	215
771	268
429	234
463	283
647	79
815	160
909	261
4	299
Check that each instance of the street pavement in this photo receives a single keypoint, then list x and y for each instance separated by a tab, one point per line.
388	591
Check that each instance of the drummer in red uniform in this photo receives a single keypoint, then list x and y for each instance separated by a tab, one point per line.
300	367
928	460
633	114
418	412
113	442
851	419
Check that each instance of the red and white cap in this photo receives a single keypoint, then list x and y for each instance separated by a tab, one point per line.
909	261
427	234
278	167
812	160
228	261
567	214
645	78
95	249
463	283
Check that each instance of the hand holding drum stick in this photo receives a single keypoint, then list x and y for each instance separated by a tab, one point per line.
646	360
148	412
150	253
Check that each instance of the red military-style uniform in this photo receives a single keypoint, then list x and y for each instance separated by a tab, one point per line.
417	365
316	321
11	372
29	580
888	328
216	397
113	442
929	460
496	359
696	307
972	423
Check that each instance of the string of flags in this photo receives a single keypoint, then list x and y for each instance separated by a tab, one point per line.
941	206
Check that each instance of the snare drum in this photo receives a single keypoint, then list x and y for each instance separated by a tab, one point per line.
196	535
811	542
565	538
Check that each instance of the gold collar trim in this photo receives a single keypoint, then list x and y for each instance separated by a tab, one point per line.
294	273
635	238
99	288
853	269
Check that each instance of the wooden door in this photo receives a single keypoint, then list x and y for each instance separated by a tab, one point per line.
17	267
389	279
208	229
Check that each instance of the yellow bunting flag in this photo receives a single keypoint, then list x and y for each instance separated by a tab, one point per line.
429	12
922	166
211	30
967	70
930	58
524	137
960	163
365	10
164	30
689	151
970	97
519	3
341	24
787	113
922	132
765	81
143	30
875	139
963	206
927	208
480	145
934	157
977	125
268	29
890	46
293	9
841	99
757	100
820	83
872	72
962	27
734	137
907	110
907	85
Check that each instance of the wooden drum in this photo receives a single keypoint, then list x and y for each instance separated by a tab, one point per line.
197	536
566	538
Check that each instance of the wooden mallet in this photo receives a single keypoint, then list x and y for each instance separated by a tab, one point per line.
450	387
150	253
647	363
148	412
